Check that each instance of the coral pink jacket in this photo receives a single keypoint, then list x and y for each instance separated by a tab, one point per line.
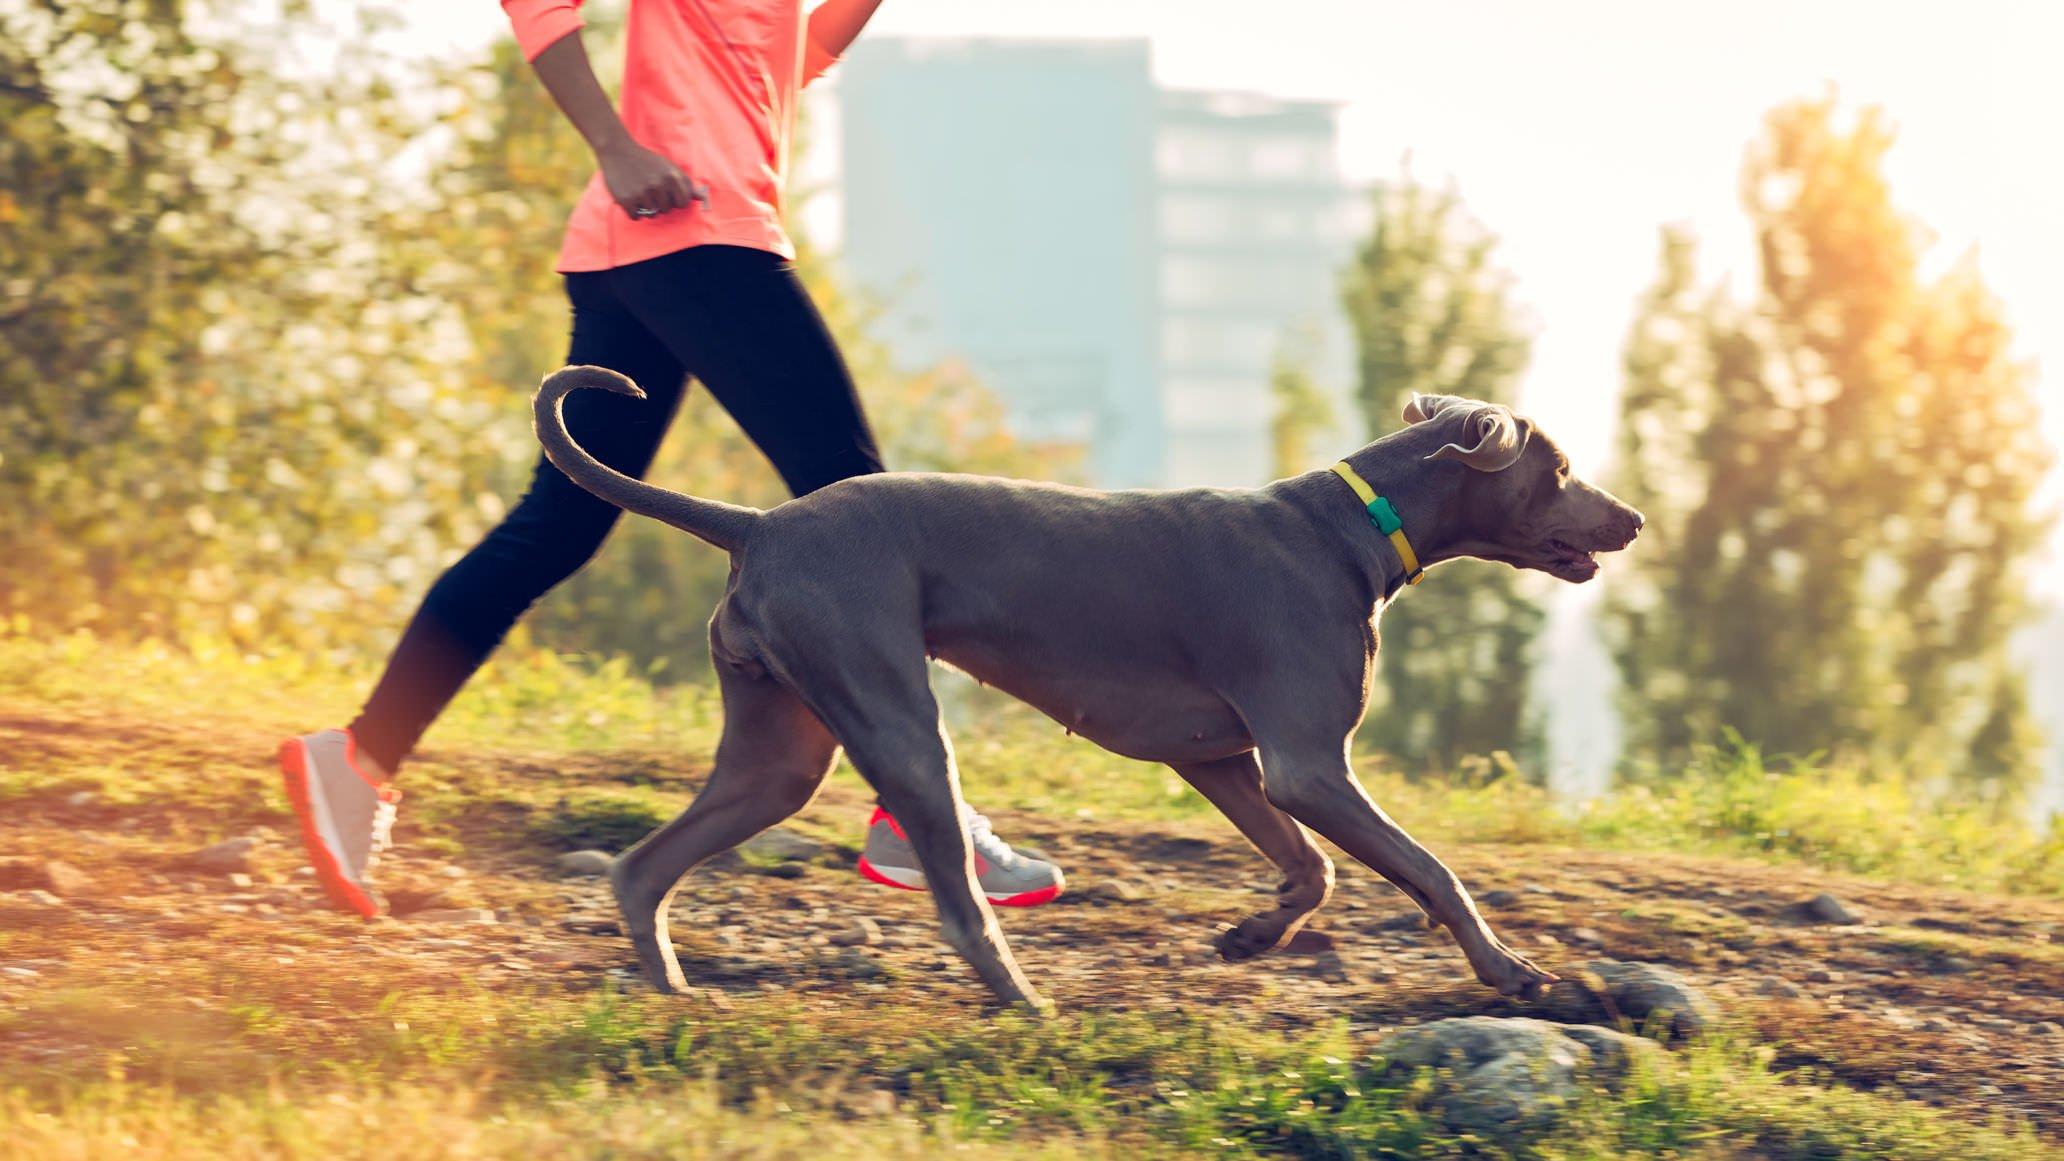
710	85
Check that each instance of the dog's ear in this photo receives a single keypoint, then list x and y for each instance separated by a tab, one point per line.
1493	438
1420	408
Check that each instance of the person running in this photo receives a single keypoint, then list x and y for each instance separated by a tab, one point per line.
676	265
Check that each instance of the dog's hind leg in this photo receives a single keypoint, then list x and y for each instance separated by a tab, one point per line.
880	706
773	755
1234	786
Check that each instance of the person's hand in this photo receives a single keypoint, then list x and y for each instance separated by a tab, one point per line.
645	184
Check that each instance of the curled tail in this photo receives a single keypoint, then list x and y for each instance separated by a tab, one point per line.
725	525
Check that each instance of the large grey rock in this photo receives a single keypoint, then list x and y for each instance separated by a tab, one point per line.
1643	995
1501	1077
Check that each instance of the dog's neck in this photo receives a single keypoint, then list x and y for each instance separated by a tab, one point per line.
1423	493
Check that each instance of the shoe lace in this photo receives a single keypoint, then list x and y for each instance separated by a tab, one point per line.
988	845
383	823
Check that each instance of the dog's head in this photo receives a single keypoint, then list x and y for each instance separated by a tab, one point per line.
1518	503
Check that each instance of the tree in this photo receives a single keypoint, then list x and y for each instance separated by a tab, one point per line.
1433	313
219	399
1300	412
1838	476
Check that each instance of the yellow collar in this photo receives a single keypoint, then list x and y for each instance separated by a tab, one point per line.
1385	518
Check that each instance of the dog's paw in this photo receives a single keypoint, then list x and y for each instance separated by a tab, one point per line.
1249	938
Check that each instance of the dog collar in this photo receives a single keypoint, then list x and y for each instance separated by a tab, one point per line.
1385	518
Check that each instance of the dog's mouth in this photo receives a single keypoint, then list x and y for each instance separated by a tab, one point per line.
1566	561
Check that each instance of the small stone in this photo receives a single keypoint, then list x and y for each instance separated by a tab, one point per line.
1497	898
1780	988
20	973
590	862
232	855
1587	935
452	872
1936	1024
781	843
1828	909
1113	891
1955	965
2047	1028
860	932
232	908
1899	1019
81	799
239	880
40	897
453	915
1822	976
66	879
785	871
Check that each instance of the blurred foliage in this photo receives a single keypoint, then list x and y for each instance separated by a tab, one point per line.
273	306
225	402
1433	313
1299	415
1838	477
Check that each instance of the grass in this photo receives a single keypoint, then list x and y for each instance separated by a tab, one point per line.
242	1052
553	708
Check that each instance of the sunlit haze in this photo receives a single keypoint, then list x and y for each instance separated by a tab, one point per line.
1575	131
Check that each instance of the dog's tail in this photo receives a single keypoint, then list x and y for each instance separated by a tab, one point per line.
725	525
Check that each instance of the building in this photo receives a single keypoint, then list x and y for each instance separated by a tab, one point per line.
1118	263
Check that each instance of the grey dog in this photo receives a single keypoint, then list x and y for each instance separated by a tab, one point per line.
1226	632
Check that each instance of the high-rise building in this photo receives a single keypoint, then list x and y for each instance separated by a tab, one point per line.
1119	264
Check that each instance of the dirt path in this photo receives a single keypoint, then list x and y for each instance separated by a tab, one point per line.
1949	998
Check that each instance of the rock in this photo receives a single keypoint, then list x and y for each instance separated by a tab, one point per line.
81	799
854	964
1112	891
861	932
1825	908
1497	898
232	855
239	880
453	915
1954	965
786	845
1935	1024
1309	942
2047	1028
38	896
785	871
1501	1077
585	862
66	879
1587	935
1609	991
1822	976
1404	921
1779	987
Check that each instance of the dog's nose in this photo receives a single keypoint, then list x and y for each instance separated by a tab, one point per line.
1639	520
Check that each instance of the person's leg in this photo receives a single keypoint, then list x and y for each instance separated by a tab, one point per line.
743	324
550	533
337	779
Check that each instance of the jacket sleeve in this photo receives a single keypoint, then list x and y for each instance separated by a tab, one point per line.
817	57
541	23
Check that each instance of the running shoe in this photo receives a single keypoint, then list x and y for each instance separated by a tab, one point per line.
1009	879
345	814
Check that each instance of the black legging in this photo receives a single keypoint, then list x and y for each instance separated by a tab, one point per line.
740	322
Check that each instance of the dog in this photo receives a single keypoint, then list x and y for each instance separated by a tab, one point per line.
1229	633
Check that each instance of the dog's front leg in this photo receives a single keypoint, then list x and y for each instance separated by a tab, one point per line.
1234	786
1317	788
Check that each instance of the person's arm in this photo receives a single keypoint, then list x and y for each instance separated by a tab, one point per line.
834	26
548	31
